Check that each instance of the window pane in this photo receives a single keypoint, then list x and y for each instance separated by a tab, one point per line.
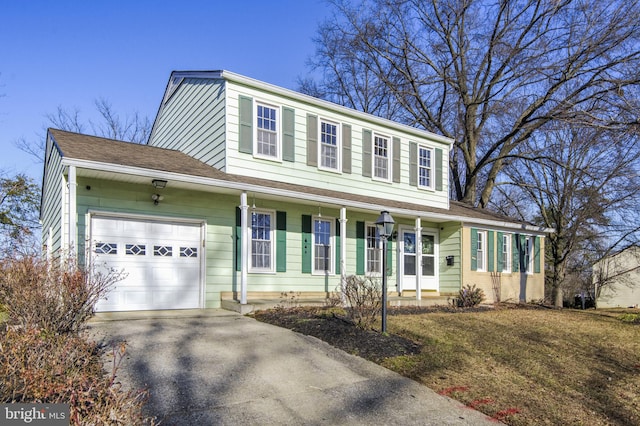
428	266
322	245
409	265
261	241
381	157
374	253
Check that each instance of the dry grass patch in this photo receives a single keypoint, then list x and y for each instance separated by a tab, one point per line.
528	366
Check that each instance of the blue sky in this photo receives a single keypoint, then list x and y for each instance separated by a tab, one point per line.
71	53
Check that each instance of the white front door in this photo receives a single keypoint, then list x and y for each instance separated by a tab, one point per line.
415	253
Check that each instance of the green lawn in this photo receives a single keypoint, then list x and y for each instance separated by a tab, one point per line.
529	366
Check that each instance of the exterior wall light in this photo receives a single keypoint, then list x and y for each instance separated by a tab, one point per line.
159	183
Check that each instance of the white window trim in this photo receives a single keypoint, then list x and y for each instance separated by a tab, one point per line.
278	109
338	168
528	241
272	239
484	251
378	247
389	155
507	266
432	168
332	242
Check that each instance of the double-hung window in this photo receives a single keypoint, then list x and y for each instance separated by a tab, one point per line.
506	253
425	167
481	251
528	254
323	245
381	153
374	252
267	129
262	241
329	146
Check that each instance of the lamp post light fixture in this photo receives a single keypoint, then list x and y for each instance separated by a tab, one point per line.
384	225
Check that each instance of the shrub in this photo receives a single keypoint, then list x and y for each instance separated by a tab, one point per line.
58	297
363	296
469	296
66	368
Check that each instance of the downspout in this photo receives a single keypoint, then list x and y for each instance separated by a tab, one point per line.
72	184
343	250
418	259
244	243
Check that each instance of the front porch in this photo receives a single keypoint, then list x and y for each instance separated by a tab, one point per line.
267	300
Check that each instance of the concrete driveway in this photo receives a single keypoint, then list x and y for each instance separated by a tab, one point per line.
221	368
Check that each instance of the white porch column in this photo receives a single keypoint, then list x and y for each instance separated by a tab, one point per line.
72	185
418	258
343	249
244	243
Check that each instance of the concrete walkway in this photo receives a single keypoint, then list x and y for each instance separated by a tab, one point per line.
221	368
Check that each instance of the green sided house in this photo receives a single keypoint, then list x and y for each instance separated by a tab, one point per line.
246	190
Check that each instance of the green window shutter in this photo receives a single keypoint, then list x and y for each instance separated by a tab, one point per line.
523	247
396	160
389	257
491	253
360	247
281	242
438	169
474	251
238	257
366	153
515	250
288	134
346	148
245	131
312	140
536	253
306	244
499	251
413	164
337	246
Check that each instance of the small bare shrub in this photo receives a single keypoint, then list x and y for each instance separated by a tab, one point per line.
469	296
290	299
66	368
58	297
364	300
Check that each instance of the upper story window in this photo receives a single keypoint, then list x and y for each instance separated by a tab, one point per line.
374	252
481	251
322	245
506	253
381	150
425	167
262	241
267	131
329	146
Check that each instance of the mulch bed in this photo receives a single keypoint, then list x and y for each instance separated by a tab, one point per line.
336	330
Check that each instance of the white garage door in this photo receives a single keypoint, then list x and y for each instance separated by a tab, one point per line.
161	261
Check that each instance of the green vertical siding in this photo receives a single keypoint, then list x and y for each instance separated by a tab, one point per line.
312	140
245	129
281	241
366	152
288	134
193	121
306	244
51	206
346	148
360	248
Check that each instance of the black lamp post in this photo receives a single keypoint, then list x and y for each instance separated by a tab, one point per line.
384	224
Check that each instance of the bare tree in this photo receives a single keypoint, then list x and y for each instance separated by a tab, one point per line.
132	128
489	74
582	182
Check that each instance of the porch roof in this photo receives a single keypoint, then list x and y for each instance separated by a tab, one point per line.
95	152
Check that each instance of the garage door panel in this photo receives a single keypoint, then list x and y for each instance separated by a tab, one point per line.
161	261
